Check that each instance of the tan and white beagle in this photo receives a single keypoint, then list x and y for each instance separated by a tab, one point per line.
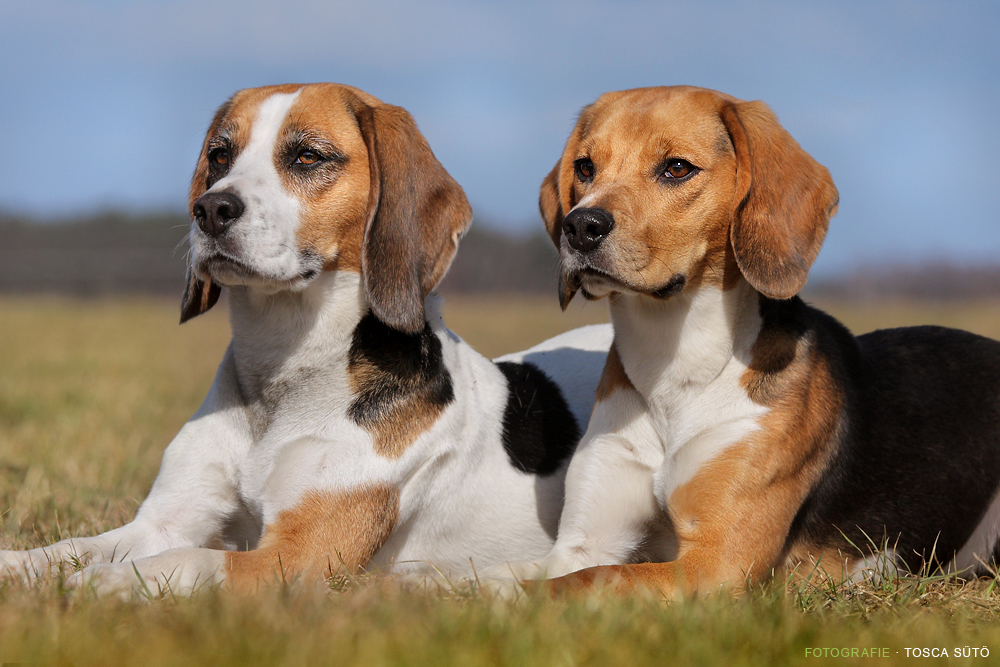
346	426
738	431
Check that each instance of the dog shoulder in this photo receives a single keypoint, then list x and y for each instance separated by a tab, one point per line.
399	381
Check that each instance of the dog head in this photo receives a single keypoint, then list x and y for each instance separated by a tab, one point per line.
659	189
295	180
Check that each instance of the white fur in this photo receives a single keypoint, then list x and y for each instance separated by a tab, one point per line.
685	356
265	236
463	504
975	554
275	426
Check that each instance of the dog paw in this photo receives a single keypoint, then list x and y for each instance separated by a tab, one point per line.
28	566
115	579
175	572
16	566
511	581
501	588
515	571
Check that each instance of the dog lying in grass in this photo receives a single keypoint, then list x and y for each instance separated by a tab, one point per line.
346	428
739	432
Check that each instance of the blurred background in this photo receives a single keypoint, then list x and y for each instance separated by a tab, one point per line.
104	106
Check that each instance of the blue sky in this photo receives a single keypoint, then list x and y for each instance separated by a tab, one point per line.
104	103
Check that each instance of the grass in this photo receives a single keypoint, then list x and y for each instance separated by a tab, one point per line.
92	391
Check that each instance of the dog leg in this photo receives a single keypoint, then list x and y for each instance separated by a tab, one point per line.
610	503
174	572
731	521
322	535
193	495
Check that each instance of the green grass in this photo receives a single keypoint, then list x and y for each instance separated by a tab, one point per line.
376	623
92	391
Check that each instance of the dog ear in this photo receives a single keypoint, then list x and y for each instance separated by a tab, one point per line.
200	295
551	202
783	204
416	215
550	206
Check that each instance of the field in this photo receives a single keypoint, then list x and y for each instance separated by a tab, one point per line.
91	392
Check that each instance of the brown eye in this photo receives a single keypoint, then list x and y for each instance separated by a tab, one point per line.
584	169
677	169
219	156
307	157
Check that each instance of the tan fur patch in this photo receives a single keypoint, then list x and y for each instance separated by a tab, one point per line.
395	435
335	203
403	422
325	533
819	566
400	383
732	518
665	579
757	206
199	180
661	230
613	377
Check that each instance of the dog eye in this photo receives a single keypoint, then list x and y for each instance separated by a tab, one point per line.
677	169
219	156
307	157
584	169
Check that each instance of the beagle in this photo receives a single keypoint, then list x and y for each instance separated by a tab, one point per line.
346	427
739	432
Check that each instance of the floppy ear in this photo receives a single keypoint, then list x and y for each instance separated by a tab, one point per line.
550	206
553	203
200	295
783	204
416	215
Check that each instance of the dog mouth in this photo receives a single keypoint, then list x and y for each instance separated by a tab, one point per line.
230	271
589	280
220	267
594	283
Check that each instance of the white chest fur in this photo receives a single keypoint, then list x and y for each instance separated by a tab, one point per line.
686	357
289	369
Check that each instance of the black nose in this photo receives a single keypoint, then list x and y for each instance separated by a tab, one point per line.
585	228
215	211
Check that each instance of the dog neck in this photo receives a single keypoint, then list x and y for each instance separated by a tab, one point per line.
680	346
280	336
305	343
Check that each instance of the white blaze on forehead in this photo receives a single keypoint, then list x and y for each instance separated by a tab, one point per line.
264	238
256	161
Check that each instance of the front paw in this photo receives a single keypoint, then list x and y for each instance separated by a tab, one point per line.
510	581
16	566
515	571
116	579
501	588
29	566
183	571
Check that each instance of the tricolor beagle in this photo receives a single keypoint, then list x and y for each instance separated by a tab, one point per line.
739	432
346	426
